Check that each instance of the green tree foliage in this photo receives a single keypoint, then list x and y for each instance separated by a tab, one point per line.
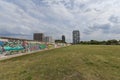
95	42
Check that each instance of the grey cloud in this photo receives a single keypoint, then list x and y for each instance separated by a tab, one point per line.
105	28
57	17
114	19
115	29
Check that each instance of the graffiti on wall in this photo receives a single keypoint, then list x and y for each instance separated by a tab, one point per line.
9	47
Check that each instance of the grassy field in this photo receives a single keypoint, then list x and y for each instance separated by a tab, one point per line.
70	63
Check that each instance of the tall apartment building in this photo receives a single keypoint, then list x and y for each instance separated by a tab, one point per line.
63	38
38	37
76	36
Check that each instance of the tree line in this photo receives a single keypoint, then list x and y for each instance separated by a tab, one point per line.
95	42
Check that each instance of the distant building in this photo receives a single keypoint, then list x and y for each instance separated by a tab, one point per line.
38	37
63	38
76	36
48	39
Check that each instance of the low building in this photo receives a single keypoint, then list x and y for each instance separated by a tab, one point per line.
48	39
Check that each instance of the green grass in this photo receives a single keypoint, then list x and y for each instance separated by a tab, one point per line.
70	63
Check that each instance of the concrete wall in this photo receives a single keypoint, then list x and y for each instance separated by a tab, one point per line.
11	46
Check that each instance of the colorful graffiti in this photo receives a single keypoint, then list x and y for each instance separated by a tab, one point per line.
11	46
8	47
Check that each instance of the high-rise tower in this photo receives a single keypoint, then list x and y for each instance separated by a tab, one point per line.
76	36
63	38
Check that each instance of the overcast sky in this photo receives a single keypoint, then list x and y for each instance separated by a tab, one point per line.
96	19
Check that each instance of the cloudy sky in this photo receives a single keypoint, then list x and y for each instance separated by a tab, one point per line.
96	19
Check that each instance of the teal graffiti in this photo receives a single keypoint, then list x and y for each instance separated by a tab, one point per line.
14	47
